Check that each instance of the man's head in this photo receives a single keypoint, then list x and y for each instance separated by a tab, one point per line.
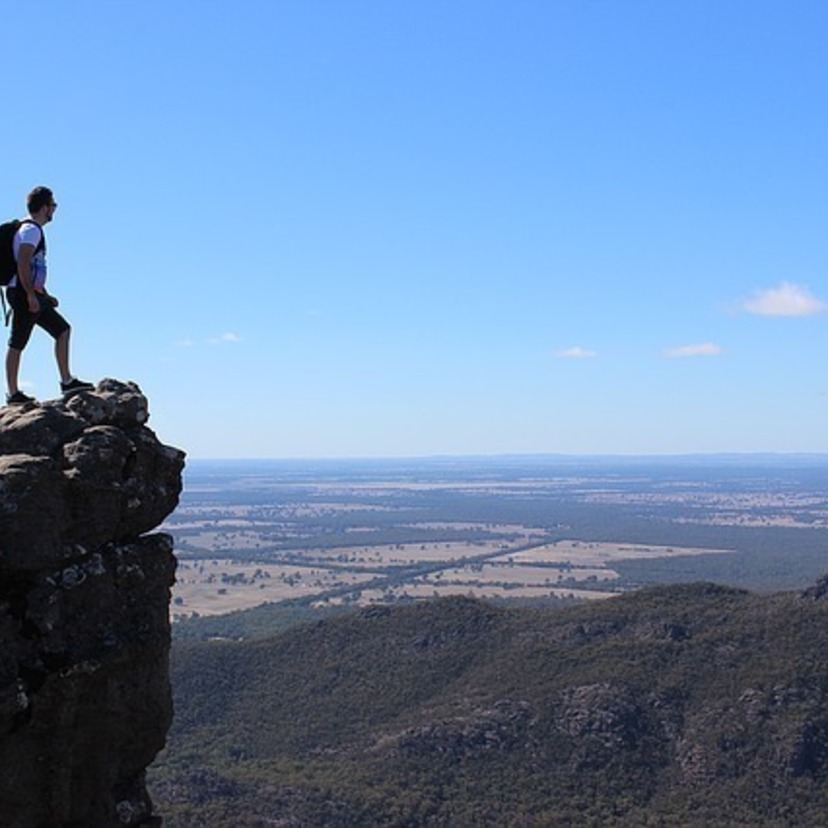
41	204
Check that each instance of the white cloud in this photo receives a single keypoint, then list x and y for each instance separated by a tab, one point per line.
785	300
701	349
576	353
225	338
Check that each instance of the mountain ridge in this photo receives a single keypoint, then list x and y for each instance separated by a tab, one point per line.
674	705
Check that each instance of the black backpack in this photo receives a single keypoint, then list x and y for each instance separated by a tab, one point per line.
8	265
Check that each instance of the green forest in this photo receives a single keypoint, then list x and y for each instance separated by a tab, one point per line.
673	705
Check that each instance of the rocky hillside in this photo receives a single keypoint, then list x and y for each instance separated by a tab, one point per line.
685	705
85	700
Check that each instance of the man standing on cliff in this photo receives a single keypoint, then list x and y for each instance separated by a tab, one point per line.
31	304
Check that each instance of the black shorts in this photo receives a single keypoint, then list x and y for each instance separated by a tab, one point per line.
23	321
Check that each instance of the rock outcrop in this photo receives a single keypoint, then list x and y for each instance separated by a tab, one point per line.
85	701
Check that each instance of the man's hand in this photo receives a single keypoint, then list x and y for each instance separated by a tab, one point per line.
34	304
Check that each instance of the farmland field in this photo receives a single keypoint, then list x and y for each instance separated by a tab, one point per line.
248	533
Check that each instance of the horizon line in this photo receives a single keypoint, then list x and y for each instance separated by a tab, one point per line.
515	456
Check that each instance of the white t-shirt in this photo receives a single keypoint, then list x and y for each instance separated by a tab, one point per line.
30	233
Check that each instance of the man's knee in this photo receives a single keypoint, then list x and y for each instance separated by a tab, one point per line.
19	338
59	330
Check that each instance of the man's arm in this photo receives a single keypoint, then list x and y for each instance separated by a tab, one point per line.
24	275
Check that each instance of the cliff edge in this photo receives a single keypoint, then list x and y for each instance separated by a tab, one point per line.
85	700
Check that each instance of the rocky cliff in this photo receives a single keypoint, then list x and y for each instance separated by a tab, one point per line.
85	699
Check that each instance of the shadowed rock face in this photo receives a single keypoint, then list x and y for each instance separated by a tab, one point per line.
85	699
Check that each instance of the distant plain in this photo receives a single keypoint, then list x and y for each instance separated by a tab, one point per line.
529	528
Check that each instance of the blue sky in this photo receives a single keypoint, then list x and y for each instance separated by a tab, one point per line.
357	228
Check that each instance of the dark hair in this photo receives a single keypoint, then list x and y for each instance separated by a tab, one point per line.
39	198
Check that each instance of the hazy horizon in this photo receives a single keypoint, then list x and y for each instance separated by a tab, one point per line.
538	457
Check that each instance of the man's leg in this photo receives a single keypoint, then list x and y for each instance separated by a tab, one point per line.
62	355
53	322
58	328
22	323
12	369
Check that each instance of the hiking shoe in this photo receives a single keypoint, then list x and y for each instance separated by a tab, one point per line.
19	398
74	385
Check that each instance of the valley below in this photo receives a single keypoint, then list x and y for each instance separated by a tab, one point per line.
517	641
